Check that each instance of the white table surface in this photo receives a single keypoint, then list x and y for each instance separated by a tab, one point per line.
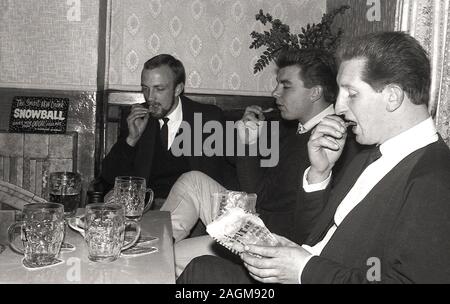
154	268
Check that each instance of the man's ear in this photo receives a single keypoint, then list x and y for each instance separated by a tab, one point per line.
394	95
179	89
316	93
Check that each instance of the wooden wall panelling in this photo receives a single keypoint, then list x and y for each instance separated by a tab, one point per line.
26	160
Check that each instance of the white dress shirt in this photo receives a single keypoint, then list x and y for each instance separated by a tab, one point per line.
175	119
304	128
393	151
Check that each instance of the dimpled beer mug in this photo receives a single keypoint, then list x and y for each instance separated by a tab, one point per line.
42	233
130	192
104	231
65	189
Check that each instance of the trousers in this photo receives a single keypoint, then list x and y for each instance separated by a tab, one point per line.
189	200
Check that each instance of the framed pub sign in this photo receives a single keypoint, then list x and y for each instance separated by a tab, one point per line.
38	115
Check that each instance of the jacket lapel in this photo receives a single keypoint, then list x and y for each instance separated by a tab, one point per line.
188	117
144	157
337	194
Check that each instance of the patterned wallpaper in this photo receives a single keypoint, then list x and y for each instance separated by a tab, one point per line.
428	21
49	44
355	22
211	38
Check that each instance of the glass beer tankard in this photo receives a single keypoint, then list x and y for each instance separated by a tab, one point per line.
130	192
104	231
65	189
42	232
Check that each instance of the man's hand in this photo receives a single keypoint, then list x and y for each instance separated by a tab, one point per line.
279	264
325	146
251	121
137	121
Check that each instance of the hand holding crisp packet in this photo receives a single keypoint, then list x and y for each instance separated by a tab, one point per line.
236	228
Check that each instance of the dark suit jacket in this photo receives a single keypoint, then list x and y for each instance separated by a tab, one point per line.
138	161
279	189
404	222
281	204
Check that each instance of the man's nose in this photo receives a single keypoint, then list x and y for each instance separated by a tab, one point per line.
151	94
340	107
276	93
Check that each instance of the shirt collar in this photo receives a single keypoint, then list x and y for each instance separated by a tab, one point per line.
410	140
303	128
176	115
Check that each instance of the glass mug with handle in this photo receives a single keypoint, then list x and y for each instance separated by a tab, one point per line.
104	228
65	188
130	191
42	232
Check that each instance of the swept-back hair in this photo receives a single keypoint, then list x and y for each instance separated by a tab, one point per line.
392	58
317	67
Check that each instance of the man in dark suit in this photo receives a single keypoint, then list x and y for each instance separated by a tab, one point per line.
147	150
387	220
305	93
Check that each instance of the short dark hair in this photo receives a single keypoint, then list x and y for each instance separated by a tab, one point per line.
317	67
174	64
392	58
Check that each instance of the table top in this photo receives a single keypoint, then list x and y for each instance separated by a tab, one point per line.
153	268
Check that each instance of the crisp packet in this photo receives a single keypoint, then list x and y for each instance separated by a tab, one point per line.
229	199
236	228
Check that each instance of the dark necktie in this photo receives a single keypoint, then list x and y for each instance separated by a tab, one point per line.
373	155
164	133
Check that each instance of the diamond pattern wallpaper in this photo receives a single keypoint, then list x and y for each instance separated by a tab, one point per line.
211	38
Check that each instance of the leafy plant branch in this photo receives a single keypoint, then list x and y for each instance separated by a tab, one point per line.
279	36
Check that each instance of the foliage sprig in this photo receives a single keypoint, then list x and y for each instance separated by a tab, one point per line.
279	36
